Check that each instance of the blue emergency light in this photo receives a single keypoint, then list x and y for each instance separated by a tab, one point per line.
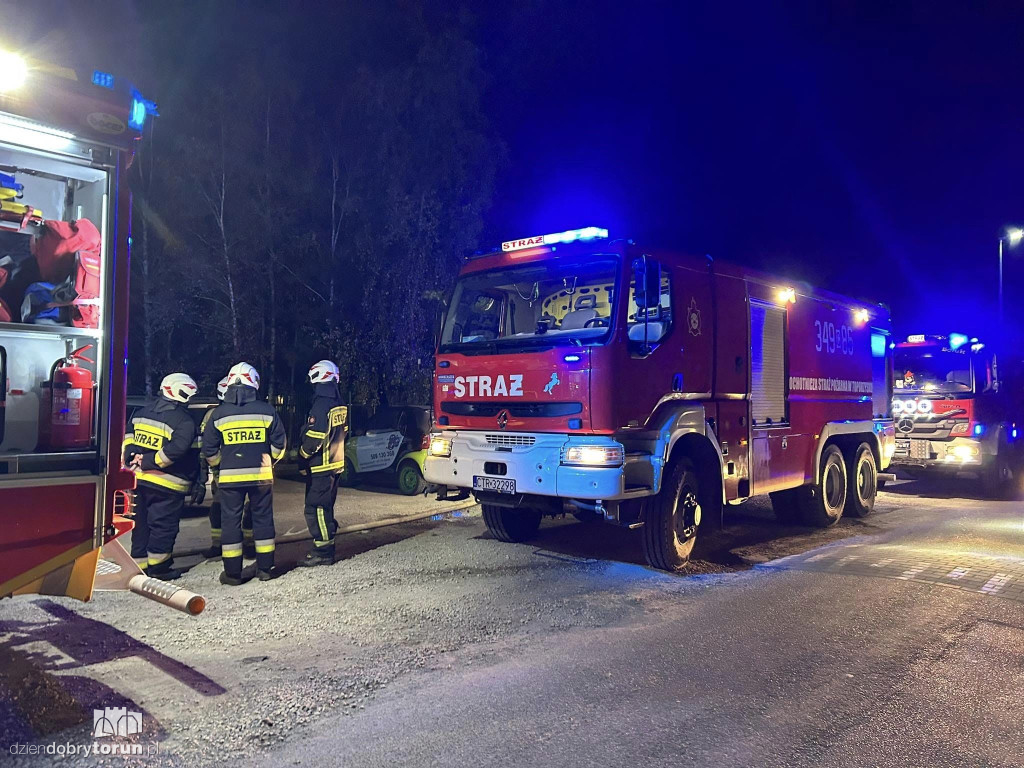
137	118
979	429
570	235
957	340
103	79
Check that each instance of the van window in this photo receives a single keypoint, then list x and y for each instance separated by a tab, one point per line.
767	364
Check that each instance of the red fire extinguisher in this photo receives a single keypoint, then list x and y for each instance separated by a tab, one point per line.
66	408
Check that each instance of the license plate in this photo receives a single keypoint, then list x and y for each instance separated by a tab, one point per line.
496	484
903	447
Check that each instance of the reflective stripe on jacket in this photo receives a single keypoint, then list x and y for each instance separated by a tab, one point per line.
323	439
243	439
164	435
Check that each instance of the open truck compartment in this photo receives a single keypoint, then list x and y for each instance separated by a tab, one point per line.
54	275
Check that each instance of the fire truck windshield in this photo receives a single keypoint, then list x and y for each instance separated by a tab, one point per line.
537	304
932	370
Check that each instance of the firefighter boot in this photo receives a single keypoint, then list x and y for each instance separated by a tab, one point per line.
313	559
234	581
165	571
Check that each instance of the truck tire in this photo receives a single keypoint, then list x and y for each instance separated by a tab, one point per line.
672	517
863	482
409	479
821	504
511	525
1000	481
786	506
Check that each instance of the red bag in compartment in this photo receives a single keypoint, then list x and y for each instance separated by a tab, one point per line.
57	246
70	251
85	309
5	314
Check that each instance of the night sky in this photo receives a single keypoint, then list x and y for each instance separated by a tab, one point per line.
871	148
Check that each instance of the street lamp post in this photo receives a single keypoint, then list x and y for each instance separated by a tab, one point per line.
1014	236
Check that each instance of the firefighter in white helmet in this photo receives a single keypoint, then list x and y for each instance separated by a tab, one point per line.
243	440
321	459
215	511
159	446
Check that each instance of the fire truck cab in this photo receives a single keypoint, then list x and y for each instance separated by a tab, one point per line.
954	410
577	373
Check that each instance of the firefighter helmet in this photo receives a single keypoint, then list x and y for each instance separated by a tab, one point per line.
323	371
243	373
222	388
179	387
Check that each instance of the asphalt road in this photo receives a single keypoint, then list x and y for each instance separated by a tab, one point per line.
896	641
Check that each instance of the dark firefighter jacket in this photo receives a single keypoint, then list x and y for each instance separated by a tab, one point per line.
323	439
243	439
165	435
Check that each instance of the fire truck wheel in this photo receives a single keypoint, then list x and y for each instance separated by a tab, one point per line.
998	480
786	506
511	525
672	517
860	497
821	505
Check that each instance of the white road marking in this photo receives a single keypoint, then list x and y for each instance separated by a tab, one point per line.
882	563
912	572
820	556
958	573
847	559
995	584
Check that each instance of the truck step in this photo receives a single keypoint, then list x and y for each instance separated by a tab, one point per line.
637	490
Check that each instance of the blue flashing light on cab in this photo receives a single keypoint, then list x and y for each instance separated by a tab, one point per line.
957	340
979	429
137	117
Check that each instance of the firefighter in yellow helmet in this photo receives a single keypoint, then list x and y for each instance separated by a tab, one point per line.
159	446
321	459
243	439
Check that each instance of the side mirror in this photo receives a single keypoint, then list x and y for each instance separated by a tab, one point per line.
647	283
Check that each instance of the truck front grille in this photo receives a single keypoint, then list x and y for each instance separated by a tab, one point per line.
510	440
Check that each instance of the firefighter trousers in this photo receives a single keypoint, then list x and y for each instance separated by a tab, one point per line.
216	520
157	516
232	504
321	493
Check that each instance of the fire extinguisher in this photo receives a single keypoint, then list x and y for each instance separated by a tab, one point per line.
66	407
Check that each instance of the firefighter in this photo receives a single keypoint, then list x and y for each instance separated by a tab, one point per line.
243	440
215	513
160	448
321	459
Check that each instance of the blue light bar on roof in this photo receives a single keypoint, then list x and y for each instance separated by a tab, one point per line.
569	236
957	340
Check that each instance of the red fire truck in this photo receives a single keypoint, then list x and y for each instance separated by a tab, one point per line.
67	139
584	374
956	411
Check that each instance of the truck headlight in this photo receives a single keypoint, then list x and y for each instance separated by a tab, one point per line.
593	455
964	451
440	446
